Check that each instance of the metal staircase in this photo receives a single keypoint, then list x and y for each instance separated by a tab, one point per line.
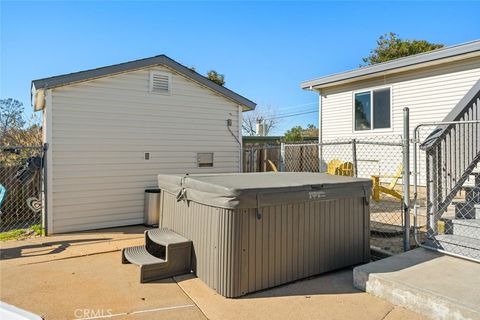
452	156
165	254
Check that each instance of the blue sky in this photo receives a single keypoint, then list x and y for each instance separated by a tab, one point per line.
265	49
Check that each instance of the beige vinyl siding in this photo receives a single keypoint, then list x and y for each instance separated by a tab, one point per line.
430	93
101	129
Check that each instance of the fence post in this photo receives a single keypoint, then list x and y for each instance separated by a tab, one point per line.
406	178
354	157
251	159
282	157
44	189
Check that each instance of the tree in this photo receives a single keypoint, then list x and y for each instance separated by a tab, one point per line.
298	133
294	134
11	111
216	77
310	131
264	114
15	129
390	46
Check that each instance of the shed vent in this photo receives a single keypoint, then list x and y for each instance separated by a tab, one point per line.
160	82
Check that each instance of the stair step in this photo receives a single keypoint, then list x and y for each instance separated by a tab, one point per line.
467	228
467	210
140	256
165	254
460	245
472	194
476	177
165	237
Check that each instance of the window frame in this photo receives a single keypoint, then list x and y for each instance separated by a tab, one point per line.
372	115
163	73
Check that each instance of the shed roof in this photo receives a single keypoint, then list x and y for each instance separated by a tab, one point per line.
76	77
456	52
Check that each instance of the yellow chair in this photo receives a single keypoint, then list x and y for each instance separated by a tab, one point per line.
377	188
339	168
272	166
333	165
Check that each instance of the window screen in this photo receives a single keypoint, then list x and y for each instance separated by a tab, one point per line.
381	109
362	111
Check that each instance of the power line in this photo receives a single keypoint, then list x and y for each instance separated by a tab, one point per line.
292	115
298	105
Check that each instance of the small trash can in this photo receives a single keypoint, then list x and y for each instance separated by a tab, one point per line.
152	207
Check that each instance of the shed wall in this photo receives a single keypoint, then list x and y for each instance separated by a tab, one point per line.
101	130
236	253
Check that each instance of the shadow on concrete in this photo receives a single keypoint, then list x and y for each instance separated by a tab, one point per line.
134	230
43	249
331	283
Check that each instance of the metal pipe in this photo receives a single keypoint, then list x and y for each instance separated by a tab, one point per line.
406	178
354	157
282	157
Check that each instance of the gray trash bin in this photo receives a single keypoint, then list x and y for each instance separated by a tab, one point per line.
152	207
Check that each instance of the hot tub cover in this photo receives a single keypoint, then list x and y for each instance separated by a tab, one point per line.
255	190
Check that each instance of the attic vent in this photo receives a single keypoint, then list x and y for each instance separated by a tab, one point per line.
160	82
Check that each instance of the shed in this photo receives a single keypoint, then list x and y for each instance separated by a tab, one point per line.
111	130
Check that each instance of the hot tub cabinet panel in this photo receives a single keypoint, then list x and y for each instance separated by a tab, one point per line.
241	250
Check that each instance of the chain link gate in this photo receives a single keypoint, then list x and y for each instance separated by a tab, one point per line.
446	200
21	188
379	158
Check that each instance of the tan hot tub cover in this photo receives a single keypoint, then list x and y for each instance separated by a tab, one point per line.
256	190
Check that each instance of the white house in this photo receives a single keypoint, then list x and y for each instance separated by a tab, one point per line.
111	130
367	103
430	84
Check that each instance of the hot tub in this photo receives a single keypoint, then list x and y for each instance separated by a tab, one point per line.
252	231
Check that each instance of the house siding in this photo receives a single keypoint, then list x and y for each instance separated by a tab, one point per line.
430	93
101	129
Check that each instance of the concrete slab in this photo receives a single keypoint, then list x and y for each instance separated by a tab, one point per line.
90	287
436	285
69	245
329	296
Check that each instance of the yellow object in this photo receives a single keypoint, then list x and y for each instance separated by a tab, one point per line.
339	168
272	165
377	188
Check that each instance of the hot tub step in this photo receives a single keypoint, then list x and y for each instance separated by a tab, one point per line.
165	254
140	256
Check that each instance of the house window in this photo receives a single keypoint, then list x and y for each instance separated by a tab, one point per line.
160	82
372	109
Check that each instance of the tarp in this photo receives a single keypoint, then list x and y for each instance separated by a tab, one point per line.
255	190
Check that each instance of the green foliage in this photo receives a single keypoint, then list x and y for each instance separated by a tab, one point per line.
37	229
13	234
15	129
216	77
294	134
390	46
16	234
298	133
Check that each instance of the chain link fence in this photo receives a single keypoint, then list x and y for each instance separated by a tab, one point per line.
379	158
21	188
447	183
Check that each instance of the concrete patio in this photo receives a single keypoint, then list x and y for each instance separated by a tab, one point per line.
79	276
431	283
